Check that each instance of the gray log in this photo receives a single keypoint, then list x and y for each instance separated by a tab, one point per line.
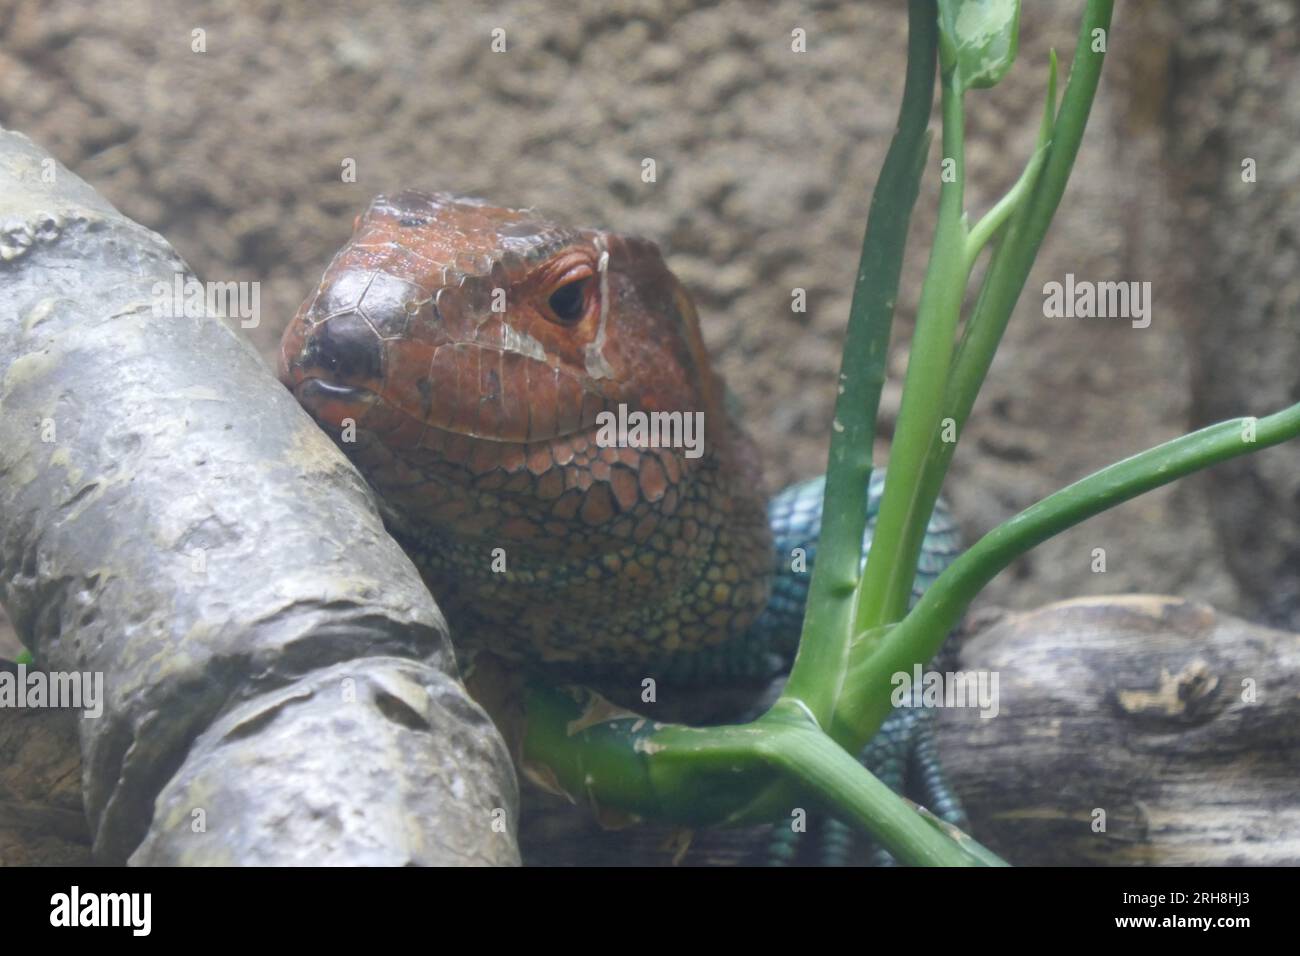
279	684
1179	723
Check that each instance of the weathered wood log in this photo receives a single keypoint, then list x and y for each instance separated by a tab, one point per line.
279	685
1174	727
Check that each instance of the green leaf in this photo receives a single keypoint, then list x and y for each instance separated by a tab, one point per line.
978	40
25	657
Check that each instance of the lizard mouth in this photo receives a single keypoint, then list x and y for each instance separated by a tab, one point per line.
317	390
333	403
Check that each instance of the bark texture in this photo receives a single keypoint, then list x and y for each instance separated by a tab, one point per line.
279	685
1175	727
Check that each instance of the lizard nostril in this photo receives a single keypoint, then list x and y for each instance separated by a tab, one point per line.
347	348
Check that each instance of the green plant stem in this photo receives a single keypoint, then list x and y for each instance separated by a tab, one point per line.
823	648
625	765
1014	256
1060	134
886	584
918	637
995	218
843	784
621	763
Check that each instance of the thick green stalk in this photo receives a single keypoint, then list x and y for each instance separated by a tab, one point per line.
886	585
624	764
627	766
819	667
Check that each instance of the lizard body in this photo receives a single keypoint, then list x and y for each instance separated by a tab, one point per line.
465	356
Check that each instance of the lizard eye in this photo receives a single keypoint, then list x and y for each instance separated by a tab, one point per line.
569	302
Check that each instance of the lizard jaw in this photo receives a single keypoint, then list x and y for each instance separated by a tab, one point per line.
332	402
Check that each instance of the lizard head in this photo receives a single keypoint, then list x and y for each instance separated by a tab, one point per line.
471	345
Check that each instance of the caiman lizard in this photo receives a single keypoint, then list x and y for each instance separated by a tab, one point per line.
467	358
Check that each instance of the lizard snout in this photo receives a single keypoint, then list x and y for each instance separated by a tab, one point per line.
332	367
